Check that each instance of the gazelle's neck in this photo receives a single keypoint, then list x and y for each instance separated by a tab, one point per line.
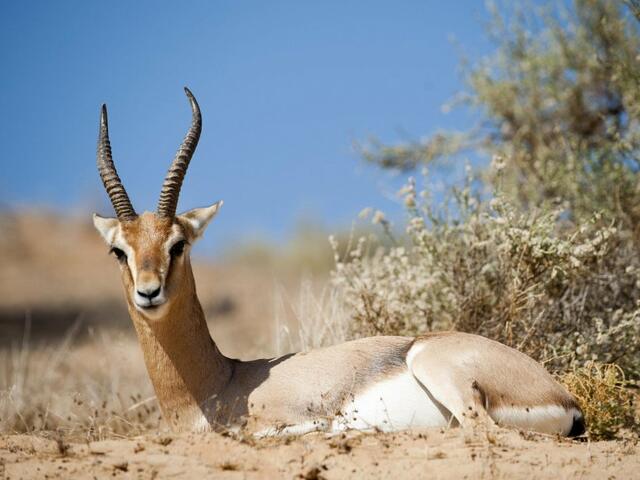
184	364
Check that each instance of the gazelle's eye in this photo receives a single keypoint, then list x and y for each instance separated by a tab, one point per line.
119	254
177	248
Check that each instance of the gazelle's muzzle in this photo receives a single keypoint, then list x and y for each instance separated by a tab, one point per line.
149	291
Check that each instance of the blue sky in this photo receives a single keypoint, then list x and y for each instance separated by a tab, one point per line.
285	88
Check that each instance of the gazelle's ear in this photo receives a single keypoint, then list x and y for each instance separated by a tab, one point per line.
107	227
198	218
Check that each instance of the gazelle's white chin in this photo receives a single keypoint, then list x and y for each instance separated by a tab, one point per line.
154	312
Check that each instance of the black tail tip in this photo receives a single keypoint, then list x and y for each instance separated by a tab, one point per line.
578	428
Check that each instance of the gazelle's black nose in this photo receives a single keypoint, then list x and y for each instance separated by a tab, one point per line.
148	294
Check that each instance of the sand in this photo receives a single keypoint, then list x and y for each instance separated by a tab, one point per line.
433	454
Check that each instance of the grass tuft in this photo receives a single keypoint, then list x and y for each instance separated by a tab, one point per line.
607	402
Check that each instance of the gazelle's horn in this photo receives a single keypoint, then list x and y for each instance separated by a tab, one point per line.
173	181
109	175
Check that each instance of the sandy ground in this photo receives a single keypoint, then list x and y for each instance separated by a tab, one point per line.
424	454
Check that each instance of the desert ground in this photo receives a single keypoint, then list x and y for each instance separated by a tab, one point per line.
75	401
417	454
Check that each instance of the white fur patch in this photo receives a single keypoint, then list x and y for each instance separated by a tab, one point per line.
394	404
551	419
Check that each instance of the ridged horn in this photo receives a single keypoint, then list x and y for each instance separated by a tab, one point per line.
173	181
109	175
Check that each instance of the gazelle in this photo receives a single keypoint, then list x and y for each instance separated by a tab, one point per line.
386	383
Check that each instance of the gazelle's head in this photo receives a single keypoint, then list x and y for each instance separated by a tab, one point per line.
152	249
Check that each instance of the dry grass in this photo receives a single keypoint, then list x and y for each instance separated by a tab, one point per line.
606	399
315	317
91	390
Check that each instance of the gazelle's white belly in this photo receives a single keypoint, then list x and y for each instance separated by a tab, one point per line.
396	403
